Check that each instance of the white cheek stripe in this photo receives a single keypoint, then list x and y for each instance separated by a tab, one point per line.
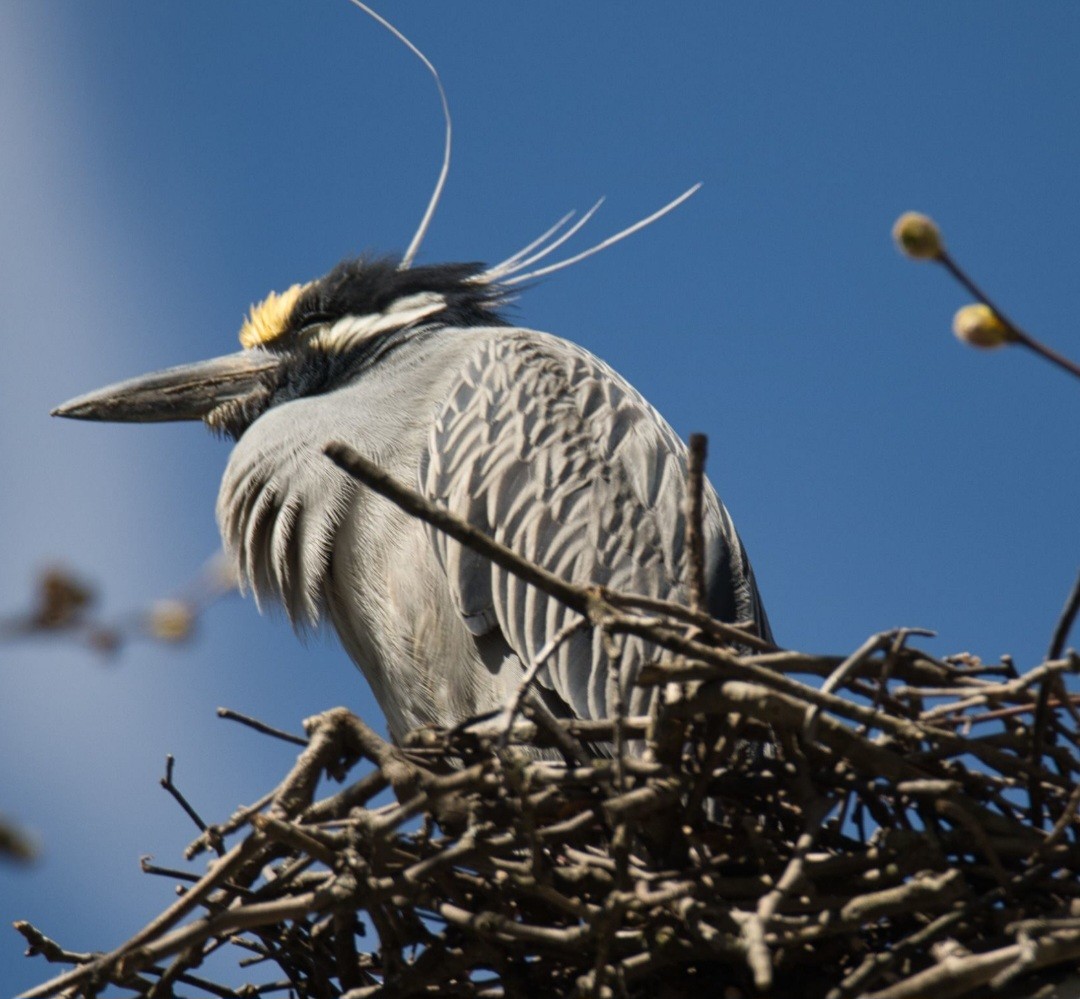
351	331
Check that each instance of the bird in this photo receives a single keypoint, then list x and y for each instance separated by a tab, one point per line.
525	435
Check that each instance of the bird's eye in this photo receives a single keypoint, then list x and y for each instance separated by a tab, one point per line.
311	324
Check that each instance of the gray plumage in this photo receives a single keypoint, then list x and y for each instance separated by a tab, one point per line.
529	437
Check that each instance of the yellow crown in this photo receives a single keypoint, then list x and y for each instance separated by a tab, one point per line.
269	319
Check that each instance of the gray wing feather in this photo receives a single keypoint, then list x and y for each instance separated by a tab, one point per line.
549	451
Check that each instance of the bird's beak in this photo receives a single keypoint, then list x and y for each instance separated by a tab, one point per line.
187	392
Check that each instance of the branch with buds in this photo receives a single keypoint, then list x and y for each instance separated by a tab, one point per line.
981	324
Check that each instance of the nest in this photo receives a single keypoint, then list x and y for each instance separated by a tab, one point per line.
885	824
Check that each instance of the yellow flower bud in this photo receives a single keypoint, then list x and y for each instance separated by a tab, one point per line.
171	620
980	326
918	236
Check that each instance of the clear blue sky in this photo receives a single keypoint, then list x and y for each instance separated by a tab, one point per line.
163	165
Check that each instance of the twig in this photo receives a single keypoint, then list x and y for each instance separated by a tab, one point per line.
963	975
841	674
513	705
147	867
368	473
1065	622
695	520
259	726
1018	334
167	783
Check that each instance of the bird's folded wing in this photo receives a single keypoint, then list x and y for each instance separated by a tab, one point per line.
546	449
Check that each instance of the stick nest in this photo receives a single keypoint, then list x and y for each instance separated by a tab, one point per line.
907	828
885	825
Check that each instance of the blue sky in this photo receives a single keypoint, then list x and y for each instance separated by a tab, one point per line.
165	165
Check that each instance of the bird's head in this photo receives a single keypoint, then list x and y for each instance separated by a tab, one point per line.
309	339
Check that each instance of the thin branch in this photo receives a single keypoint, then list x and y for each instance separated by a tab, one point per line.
513	705
258	726
695	520
1065	622
167	783
368	473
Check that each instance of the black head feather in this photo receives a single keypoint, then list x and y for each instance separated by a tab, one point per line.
365	286
368	285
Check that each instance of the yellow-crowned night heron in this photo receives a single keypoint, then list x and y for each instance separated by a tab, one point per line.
527	436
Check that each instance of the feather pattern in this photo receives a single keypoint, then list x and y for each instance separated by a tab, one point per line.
548	450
